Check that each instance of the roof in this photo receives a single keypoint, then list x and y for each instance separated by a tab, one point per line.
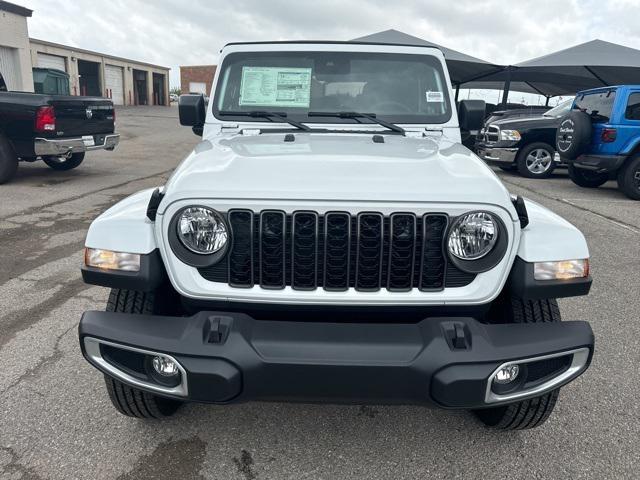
330	42
13	8
91	52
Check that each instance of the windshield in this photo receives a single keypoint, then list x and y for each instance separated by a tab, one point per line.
559	110
398	88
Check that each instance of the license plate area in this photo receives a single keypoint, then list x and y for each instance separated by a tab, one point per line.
88	141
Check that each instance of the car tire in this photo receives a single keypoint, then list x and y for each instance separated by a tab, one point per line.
573	134
536	160
127	400
587	178
629	178
63	163
532	412
507	168
8	160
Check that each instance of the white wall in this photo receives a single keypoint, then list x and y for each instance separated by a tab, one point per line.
14	35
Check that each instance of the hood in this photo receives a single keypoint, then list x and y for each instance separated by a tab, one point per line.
526	122
325	166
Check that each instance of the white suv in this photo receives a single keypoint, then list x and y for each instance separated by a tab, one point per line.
329	239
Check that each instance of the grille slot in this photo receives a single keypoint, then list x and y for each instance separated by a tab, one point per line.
240	262
370	251
337	251
304	250
402	252
272	249
433	266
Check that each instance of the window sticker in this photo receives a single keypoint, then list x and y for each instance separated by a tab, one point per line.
435	97
275	86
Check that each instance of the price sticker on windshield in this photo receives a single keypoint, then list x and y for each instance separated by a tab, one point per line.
435	97
275	86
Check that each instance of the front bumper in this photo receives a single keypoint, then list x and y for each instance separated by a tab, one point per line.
66	146
599	163
497	154
231	357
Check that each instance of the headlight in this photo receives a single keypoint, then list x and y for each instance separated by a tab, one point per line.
510	135
202	230
473	236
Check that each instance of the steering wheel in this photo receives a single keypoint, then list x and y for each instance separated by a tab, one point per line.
390	103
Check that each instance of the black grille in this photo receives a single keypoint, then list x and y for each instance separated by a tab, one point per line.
337	251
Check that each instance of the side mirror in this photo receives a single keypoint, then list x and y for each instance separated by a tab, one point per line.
471	115
192	111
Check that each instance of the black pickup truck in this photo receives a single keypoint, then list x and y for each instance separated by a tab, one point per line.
524	143
57	129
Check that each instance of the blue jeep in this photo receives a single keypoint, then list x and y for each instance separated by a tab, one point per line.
600	138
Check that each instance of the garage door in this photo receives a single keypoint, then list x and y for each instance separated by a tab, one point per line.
113	83
51	61
198	87
9	68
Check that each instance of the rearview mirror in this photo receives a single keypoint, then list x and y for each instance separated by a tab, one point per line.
471	115
191	108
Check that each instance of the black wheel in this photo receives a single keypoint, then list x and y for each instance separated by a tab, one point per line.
507	168
64	163
629	178
587	178
128	400
532	412
8	160
573	134
536	160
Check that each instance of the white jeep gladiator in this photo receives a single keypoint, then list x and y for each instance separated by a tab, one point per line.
330	239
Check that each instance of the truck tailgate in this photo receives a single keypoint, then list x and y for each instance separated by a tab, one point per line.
78	116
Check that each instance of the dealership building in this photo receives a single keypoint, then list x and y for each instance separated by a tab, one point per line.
197	78
124	81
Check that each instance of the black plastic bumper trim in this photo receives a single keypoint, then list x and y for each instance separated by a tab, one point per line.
337	362
600	163
522	284
151	275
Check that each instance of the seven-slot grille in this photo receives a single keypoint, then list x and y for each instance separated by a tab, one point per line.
337	251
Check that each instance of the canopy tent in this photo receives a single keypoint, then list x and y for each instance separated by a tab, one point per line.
462	67
589	65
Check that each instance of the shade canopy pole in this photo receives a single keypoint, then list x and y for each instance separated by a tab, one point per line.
507	86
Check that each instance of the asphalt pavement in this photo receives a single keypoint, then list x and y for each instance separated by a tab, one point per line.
57	423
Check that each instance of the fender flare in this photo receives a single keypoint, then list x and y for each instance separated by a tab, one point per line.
125	227
549	237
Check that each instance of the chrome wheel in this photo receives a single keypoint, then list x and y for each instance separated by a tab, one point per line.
538	161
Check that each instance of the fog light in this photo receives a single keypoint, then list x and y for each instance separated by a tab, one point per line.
165	366
506	374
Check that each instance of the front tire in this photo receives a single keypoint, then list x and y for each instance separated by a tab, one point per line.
629	178
63	164
587	178
532	412
127	400
536	160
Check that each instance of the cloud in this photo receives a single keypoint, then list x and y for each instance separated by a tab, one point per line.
175	33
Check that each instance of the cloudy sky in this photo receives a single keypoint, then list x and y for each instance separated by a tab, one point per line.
191	32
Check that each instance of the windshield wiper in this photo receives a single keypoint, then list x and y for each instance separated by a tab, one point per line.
268	115
355	115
